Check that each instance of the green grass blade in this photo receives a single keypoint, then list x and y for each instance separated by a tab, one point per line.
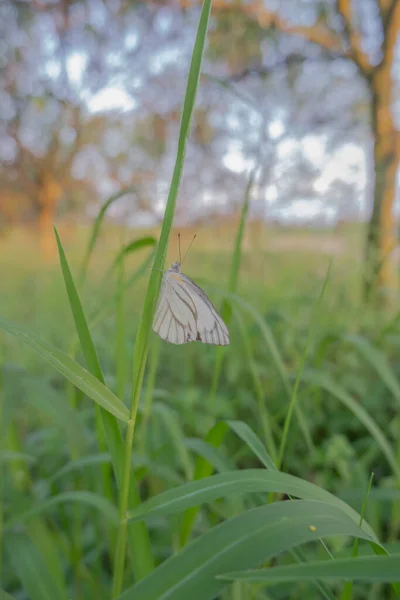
121	333
253	441
240	543
144	331
85	498
263	413
134	246
71	370
348	586
82	329
102	312
203	469
37	580
211	454
224	485
232	285
293	399
148	395
378	361
82	463
97	227
142	561
277	359
337	391
42	536
9	456
369	568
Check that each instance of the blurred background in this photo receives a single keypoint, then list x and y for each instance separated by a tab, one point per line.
297	115
305	91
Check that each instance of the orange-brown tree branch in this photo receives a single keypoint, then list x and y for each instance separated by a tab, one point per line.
317	33
345	8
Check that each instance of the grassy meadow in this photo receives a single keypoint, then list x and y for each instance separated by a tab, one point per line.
58	492
138	470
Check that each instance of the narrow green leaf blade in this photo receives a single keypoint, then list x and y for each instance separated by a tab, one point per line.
378	361
242	542
87	498
337	391
253	441
86	341
71	370
230	483
36	578
371	568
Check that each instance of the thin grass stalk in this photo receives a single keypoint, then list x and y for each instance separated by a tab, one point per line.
120	350
93	365
148	398
143	335
142	562
232	285
259	390
104	311
97	228
203	468
293	399
348	586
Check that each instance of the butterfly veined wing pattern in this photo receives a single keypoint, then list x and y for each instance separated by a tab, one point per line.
185	314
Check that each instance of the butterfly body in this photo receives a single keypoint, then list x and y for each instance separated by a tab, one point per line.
185	314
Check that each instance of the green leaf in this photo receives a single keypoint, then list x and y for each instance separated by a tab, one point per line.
378	361
42	536
142	561
227	484
134	246
253	441
71	370
210	454
337	391
9	456
241	542
145	325
87	498
87	345
82	463
203	468
370	568
97	226
37	579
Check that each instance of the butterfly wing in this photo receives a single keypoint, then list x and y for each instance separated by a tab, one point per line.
174	320
211	329
184	313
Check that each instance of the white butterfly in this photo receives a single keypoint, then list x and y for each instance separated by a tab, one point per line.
185	314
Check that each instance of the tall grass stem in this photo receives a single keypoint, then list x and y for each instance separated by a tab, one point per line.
143	335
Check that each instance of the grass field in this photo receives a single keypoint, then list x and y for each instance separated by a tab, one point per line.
160	471
59	495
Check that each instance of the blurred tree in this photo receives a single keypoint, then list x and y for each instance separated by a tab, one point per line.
365	32
91	94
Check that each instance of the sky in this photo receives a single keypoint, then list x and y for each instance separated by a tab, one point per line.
349	161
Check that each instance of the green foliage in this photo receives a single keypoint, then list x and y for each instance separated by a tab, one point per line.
62	533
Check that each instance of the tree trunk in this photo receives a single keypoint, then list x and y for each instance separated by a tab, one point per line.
49	194
381	235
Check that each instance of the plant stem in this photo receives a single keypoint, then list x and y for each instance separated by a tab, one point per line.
293	398
143	335
121	540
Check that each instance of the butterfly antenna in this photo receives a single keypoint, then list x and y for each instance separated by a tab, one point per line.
179	244
190	245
